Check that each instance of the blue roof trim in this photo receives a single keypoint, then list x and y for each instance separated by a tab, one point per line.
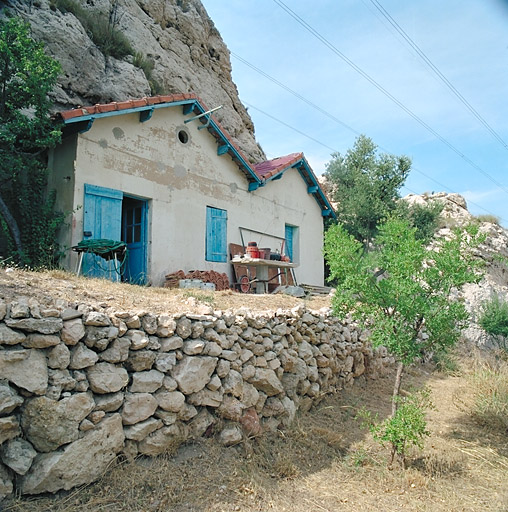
190	106
222	150
231	149
313	187
326	207
145	115
127	111
88	126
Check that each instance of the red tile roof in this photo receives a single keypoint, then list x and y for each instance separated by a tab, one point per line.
270	168
128	104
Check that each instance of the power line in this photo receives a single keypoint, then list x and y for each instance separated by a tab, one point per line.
384	149
378	86
294	93
331	116
290	127
437	71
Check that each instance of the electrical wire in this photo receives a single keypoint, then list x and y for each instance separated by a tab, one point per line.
294	93
378	86
437	71
334	118
290	127
384	149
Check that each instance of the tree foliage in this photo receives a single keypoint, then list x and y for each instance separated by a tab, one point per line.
407	427
403	290
423	217
27	74
494	318
365	186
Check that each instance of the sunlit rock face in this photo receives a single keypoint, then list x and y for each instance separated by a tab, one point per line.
176	37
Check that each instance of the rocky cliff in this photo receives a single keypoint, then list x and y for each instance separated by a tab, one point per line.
174	45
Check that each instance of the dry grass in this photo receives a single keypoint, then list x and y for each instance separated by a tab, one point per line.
324	462
486	396
123	296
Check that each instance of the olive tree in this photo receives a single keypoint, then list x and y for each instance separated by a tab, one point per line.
365	186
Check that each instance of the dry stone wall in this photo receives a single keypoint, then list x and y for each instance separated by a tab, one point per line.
79	386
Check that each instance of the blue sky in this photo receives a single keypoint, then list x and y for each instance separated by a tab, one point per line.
466	40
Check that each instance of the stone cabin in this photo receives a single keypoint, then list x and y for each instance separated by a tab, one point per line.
178	191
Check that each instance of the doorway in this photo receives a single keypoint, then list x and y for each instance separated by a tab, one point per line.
134	234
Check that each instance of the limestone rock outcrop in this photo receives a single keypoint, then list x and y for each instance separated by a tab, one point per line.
176	37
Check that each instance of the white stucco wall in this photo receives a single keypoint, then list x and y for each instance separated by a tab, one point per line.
147	160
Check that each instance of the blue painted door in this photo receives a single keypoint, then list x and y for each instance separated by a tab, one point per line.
134	235
289	235
216	234
102	218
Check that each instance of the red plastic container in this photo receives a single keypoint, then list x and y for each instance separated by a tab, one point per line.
252	250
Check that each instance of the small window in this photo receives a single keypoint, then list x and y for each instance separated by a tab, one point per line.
183	136
216	234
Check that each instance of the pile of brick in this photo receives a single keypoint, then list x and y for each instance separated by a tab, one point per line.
173	280
221	281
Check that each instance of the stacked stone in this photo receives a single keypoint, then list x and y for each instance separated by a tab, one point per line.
78	386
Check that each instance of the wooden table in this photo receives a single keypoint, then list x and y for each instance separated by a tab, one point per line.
261	267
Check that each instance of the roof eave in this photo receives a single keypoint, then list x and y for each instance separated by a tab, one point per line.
191	104
313	186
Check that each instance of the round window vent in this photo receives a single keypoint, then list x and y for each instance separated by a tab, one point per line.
183	136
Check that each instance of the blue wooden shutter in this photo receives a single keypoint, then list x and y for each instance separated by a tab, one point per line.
289	241
216	234
102	218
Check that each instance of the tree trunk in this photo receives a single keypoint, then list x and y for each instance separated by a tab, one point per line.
12	224
395	406
396	387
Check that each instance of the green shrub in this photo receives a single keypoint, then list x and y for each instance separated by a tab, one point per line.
493	219
144	63
407	427
494	319
425	218
445	362
147	65
101	30
110	40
